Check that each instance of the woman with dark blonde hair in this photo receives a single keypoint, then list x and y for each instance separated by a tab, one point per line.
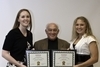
18	40
84	42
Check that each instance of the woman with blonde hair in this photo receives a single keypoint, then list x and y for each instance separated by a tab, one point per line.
84	42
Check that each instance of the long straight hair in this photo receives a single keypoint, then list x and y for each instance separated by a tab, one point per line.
17	23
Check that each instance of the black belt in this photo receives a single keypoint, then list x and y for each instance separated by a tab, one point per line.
81	58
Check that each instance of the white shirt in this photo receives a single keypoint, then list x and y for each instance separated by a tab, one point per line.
82	47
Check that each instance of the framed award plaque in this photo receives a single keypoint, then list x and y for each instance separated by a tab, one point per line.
37	58
63	58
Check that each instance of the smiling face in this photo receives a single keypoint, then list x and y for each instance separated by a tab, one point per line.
52	31
80	27
24	19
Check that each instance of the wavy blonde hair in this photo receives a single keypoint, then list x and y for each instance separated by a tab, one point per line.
88	30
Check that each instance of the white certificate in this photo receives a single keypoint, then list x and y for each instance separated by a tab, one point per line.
37	58
63	58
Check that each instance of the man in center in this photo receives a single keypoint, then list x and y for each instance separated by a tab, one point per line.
52	42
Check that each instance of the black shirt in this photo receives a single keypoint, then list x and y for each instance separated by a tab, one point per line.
17	43
52	45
